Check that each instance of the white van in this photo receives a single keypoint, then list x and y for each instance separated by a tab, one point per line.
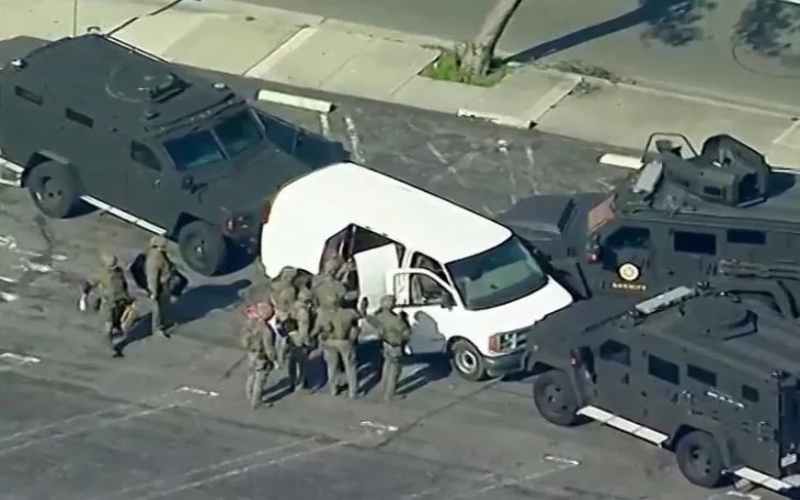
467	284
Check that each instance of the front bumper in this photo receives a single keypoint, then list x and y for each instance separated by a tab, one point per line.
505	364
10	173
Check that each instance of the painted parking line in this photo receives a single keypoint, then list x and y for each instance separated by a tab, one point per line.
19	358
355	141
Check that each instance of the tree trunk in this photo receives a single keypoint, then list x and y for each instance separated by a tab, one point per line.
477	55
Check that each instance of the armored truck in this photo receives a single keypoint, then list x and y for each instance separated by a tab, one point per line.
684	217
91	119
694	370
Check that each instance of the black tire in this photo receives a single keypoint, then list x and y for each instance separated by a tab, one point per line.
54	189
699	459
203	248
467	361
555	398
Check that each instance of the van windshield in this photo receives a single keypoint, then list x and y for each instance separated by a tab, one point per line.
497	276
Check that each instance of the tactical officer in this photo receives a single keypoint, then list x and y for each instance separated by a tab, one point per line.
300	342
159	268
283	298
258	339
115	301
336	329
330	281
394	332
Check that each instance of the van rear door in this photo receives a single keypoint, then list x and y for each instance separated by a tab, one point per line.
371	267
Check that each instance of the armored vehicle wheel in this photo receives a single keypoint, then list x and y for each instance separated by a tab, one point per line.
53	189
467	361
203	248
555	399
699	459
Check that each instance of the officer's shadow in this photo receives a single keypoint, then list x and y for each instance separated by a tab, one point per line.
192	305
435	367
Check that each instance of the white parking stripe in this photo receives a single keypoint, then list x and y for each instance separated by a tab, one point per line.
236	461
92	427
354	140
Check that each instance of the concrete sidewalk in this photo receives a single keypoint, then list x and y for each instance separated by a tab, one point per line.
329	55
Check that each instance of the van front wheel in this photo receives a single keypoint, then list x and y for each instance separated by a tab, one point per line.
467	361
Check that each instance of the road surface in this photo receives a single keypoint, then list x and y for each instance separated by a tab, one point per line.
694	45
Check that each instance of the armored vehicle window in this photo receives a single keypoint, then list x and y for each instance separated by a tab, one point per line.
663	369
28	95
238	133
702	243
194	150
76	117
144	156
746	237
749	393
630	237
611	350
705	377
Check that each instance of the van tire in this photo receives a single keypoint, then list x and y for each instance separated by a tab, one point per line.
467	361
699	459
203	248
54	189
555	398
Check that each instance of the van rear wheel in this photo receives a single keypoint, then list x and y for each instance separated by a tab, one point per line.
699	459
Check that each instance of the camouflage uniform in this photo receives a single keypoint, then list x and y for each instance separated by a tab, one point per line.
114	299
300	342
258	339
329	282
394	332
337	331
283	296
159	268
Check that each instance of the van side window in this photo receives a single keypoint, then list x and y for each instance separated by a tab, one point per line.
746	237
701	375
629	237
697	243
422	261
663	369
750	394
611	350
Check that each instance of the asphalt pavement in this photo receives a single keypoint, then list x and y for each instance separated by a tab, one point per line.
739	50
169	419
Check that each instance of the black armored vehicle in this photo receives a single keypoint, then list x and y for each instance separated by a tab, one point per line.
702	373
684	217
91	119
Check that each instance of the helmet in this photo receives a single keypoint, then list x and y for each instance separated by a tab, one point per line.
287	273
158	241
109	260
387	302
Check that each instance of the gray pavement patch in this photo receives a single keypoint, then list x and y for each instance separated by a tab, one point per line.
199	483
158	486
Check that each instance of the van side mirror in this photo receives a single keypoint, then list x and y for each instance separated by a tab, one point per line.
187	183
447	301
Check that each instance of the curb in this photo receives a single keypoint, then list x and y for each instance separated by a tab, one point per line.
508	121
309	103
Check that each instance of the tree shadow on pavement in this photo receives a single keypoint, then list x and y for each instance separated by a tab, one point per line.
766	26
673	22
